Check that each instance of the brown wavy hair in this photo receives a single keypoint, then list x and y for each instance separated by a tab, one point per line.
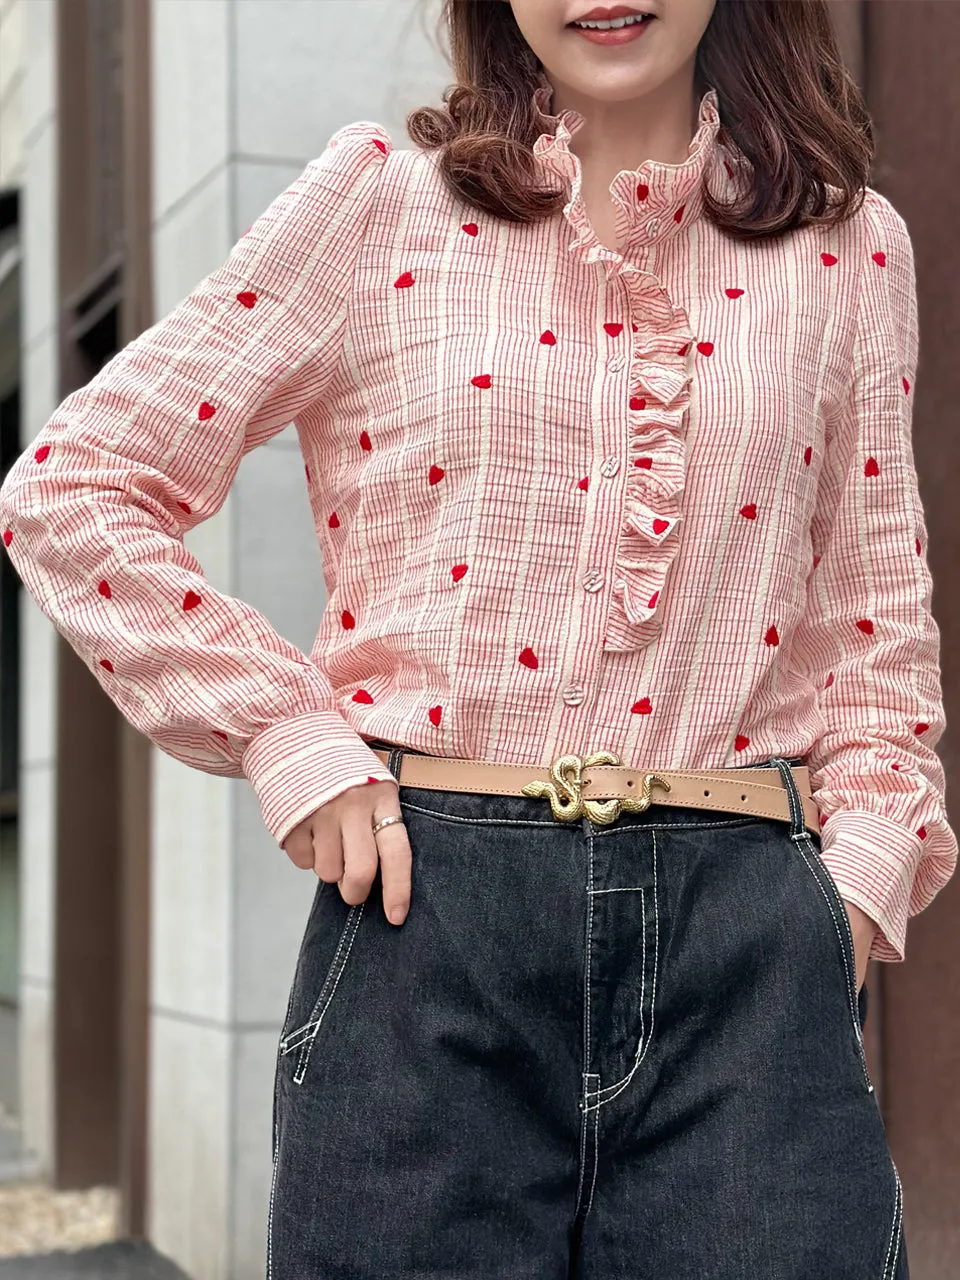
787	104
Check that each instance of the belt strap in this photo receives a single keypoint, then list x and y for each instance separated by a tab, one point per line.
757	792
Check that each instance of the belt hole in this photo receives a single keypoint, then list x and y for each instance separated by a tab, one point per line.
706	793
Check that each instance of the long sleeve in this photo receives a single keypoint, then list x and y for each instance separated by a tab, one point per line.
94	512
868	640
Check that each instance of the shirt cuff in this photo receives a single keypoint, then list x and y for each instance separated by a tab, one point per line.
304	761
873	861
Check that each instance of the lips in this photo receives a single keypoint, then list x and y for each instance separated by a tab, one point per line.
599	14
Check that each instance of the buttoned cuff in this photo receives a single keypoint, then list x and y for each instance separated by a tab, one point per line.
304	761
873	861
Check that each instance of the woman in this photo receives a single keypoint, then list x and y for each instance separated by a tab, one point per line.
625	699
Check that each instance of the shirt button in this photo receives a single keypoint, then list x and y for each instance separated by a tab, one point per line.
616	363
610	466
592	580
653	226
572	695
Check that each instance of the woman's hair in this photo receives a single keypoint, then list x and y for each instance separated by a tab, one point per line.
786	100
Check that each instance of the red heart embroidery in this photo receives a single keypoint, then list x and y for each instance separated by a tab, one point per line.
106	664
247	299
378	142
679	214
435	713
362	696
184	506
365	440
42	453
750	511
906	386
104	588
582	484
733	293
771	637
705	348
921	728
871	469
458	571
436	474
808	454
334	521
636	403
922	832
918	545
816	561
865	625
470	228
642	191
7	537
218	733
206	411
652	602
372	779
191	600
829	681
403	281
684	349
828	259
659	525
646	463
642	707
347	620
880	258
633	327
614	330
547	338
895	766
481	380
740	743
529	658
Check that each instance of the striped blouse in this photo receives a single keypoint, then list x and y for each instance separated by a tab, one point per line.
659	500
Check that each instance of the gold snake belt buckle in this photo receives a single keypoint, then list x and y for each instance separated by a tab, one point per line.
567	803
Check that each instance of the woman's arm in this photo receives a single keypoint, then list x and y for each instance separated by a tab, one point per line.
94	511
868	641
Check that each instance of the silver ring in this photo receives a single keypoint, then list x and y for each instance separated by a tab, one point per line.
385	822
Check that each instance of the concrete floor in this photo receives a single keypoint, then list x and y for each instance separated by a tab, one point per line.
121	1261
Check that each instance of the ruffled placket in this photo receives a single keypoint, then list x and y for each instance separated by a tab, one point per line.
652	204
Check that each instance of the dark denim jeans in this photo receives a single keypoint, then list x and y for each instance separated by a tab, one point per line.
629	1052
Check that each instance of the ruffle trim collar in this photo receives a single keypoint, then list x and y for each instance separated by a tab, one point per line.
653	202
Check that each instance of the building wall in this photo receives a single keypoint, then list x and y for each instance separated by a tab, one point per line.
28	159
271	80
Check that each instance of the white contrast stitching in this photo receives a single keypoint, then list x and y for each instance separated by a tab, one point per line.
585	1121
893	1247
803	837
641	1047
307	1034
615	829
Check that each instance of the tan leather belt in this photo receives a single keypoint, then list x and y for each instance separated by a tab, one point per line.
599	788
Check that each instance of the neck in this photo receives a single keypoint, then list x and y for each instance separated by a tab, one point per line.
658	126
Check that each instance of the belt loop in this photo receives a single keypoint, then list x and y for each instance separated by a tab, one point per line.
394	761
798	826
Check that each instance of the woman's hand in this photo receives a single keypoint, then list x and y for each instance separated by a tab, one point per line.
863	930
338	843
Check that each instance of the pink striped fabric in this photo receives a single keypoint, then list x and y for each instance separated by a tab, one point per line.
658	500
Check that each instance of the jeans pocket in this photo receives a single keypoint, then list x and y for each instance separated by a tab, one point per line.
317	968
807	847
